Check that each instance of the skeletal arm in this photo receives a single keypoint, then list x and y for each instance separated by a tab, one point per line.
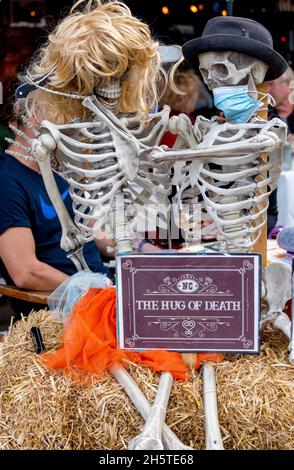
42	149
262	144
70	239
208	139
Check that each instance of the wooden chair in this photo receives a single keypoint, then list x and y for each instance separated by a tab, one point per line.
38	297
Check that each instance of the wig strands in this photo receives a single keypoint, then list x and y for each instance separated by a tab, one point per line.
87	49
43	409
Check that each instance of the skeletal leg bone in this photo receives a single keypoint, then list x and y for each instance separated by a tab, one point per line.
277	278
212	429
170	440
283	323
150	437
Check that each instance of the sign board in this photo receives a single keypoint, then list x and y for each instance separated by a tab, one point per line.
181	302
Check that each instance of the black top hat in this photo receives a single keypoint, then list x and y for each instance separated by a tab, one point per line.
231	33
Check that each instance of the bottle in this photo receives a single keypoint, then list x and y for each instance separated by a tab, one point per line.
286	156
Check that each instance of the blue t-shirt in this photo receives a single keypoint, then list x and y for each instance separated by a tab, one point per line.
25	203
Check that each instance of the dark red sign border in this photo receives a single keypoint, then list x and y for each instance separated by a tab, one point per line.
127	267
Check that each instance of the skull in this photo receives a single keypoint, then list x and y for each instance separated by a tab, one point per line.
225	68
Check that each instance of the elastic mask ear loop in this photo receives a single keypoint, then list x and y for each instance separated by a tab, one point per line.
270	99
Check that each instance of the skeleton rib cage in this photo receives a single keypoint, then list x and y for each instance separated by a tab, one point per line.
100	159
225	171
233	189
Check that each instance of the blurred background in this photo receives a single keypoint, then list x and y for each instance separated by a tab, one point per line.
24	24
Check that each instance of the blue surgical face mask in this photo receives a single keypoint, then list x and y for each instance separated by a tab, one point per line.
237	106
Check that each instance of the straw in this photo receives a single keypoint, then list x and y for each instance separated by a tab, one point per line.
44	409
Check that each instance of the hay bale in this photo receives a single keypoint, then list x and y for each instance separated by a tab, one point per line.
255	395
41	409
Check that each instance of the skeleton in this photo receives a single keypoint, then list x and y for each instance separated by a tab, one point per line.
119	172
61	139
239	211
230	68
234	192
113	163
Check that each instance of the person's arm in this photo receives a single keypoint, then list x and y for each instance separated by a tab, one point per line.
17	250
103	244
145	246
272	211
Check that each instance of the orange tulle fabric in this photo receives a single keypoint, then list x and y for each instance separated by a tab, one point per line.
89	342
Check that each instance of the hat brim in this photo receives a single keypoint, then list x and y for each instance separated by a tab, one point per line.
230	42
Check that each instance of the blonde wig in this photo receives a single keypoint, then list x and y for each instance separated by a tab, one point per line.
187	91
87	49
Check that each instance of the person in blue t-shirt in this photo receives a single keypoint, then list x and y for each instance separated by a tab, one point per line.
30	231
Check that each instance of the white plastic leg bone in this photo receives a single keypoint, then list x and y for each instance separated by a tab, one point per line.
212	429
282	323
277	278
170	440
151	436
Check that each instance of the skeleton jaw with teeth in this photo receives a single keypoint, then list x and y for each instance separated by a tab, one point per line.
109	94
